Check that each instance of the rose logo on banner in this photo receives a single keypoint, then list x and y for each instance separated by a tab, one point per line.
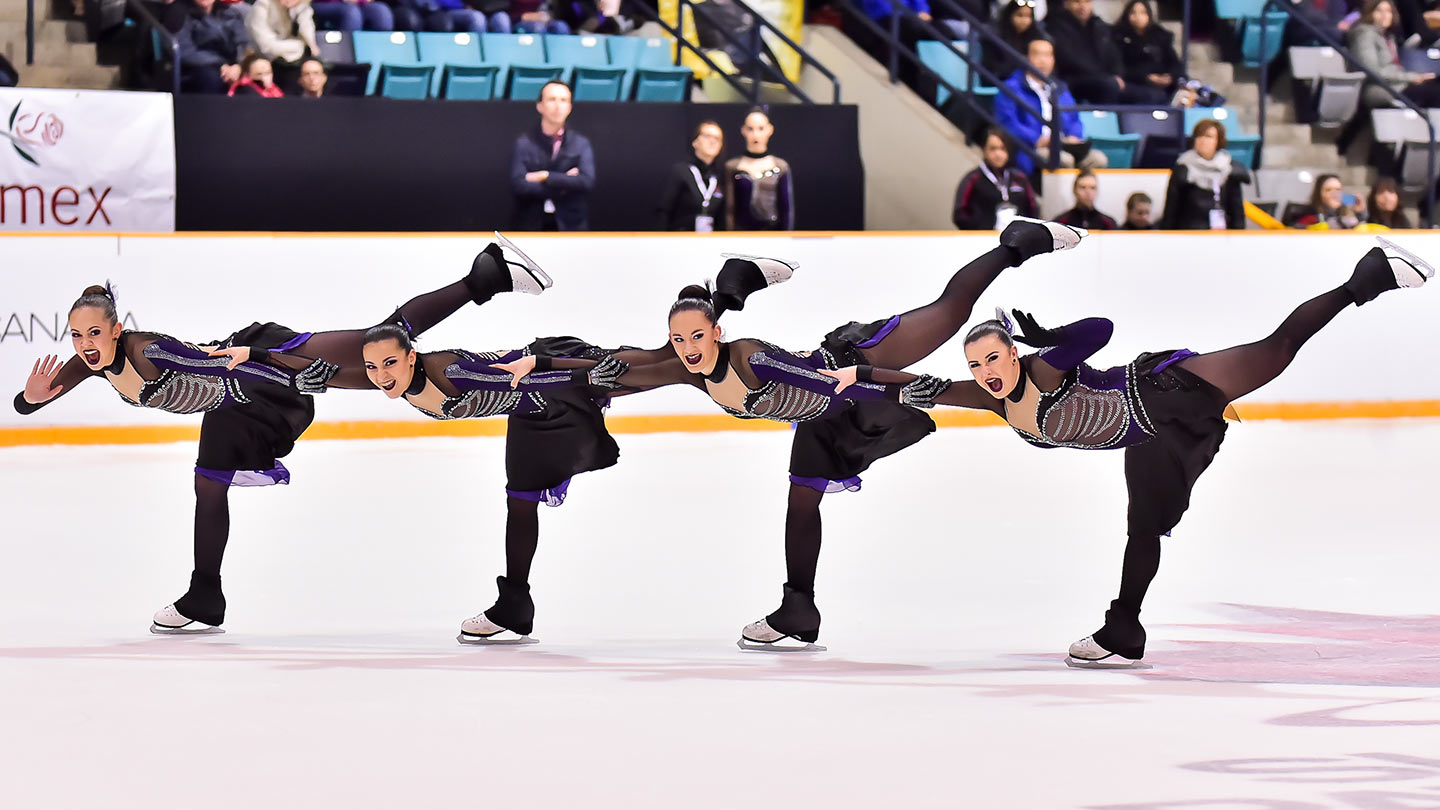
34	130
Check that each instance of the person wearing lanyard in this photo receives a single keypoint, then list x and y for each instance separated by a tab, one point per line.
691	199
992	195
1205	185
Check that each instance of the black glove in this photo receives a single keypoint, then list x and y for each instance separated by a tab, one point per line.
312	378
1033	333
606	373
921	392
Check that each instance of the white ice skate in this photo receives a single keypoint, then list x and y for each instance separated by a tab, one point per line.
525	275
1410	270
169	622
1065	236
481	631
776	271
762	637
1087	654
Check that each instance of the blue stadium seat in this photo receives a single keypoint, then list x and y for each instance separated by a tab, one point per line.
633	53
405	81
439	50
380	48
1250	27
523	68
662	84
1238	9
586	63
1102	127
951	68
469	82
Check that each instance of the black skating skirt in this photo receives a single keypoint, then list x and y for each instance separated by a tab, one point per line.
1187	414
829	454
242	445
544	450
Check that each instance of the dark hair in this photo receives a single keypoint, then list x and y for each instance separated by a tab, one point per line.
249	60
317	60
1005	20
1208	124
1032	42
100	297
1084	173
762	110
388	331
1137	198
1124	22
696	298
996	132
1390	219
1319	204
1367	14
991	327
555	81
708	123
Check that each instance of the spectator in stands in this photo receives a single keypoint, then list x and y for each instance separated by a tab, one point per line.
1137	212
536	17
1147	52
596	17
1327	209
312	78
759	188
283	30
1383	204
446	16
1087	59
212	41
692	199
992	194
1084	215
1415	22
352	15
1017	27
257	78
1372	41
552	169
1024	127
1205	185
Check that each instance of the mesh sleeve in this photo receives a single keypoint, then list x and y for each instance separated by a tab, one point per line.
71	374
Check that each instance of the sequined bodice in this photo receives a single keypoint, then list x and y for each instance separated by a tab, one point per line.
1091	410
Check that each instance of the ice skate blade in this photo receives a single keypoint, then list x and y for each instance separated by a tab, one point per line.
784	645
506	639
531	267
185	630
1109	662
1422	268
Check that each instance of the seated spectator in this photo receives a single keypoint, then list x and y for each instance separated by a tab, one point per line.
213	40
1204	191
1327	209
352	15
596	17
1384	205
312	78
1017	27
911	31
9	76
1372	41
692	199
536	17
991	195
552	168
1024	127
283	30
1137	212
1084	215
257	78
448	16
1086	58
1147	52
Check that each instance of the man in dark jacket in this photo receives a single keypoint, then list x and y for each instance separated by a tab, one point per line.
212	41
1086	57
552	169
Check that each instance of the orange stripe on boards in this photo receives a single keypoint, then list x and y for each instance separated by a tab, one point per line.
675	423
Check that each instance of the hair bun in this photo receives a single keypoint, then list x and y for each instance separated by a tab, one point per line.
96	289
697	292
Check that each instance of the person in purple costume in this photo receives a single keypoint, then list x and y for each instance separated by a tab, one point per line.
837	436
1166	409
254	388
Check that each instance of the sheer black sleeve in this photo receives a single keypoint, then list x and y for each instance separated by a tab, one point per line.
71	374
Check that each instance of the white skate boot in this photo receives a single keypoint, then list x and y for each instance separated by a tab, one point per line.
481	631
761	636
1088	654
525	275
169	622
1062	237
1410	270
775	271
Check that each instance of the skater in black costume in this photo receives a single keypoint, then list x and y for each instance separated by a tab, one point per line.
837	436
1165	408
256	401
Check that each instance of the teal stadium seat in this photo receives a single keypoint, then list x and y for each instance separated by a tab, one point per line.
1102	127
469	83
651	53
380	48
662	84
585	59
1241	145
951	68
523	67
405	81
446	50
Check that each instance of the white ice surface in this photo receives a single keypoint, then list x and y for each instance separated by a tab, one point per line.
1293	628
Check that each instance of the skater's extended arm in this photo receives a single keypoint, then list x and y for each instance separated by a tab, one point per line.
526	373
167	354
49	380
1064	347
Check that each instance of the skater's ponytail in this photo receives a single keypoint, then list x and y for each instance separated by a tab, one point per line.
102	298
388	331
696	298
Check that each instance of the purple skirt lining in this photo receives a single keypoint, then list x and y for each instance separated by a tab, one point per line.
851	484
879	336
247	478
554	496
298	340
1173	359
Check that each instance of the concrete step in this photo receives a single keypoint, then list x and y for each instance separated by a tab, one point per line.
1284	156
14	11
1286	135
89	77
76	55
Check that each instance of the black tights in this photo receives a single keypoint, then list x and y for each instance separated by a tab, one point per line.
922	331
802	537
212	524
522	537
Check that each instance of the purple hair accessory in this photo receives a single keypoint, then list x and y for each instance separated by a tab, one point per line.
110	290
1004	320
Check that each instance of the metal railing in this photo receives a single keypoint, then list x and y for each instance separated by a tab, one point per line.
29	32
1326	38
152	27
752	45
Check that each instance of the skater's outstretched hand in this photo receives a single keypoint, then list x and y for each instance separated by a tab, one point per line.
844	376
237	355
518	368
1032	333
40	386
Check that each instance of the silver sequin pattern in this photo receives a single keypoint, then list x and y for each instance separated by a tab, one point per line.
477	404
188	393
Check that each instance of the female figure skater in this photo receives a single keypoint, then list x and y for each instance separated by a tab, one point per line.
1165	408
255	406
837	436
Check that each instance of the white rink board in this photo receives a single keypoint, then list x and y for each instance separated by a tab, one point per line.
1162	290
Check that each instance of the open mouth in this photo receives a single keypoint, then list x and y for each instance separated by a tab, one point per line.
92	356
390	386
995	384
693	359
